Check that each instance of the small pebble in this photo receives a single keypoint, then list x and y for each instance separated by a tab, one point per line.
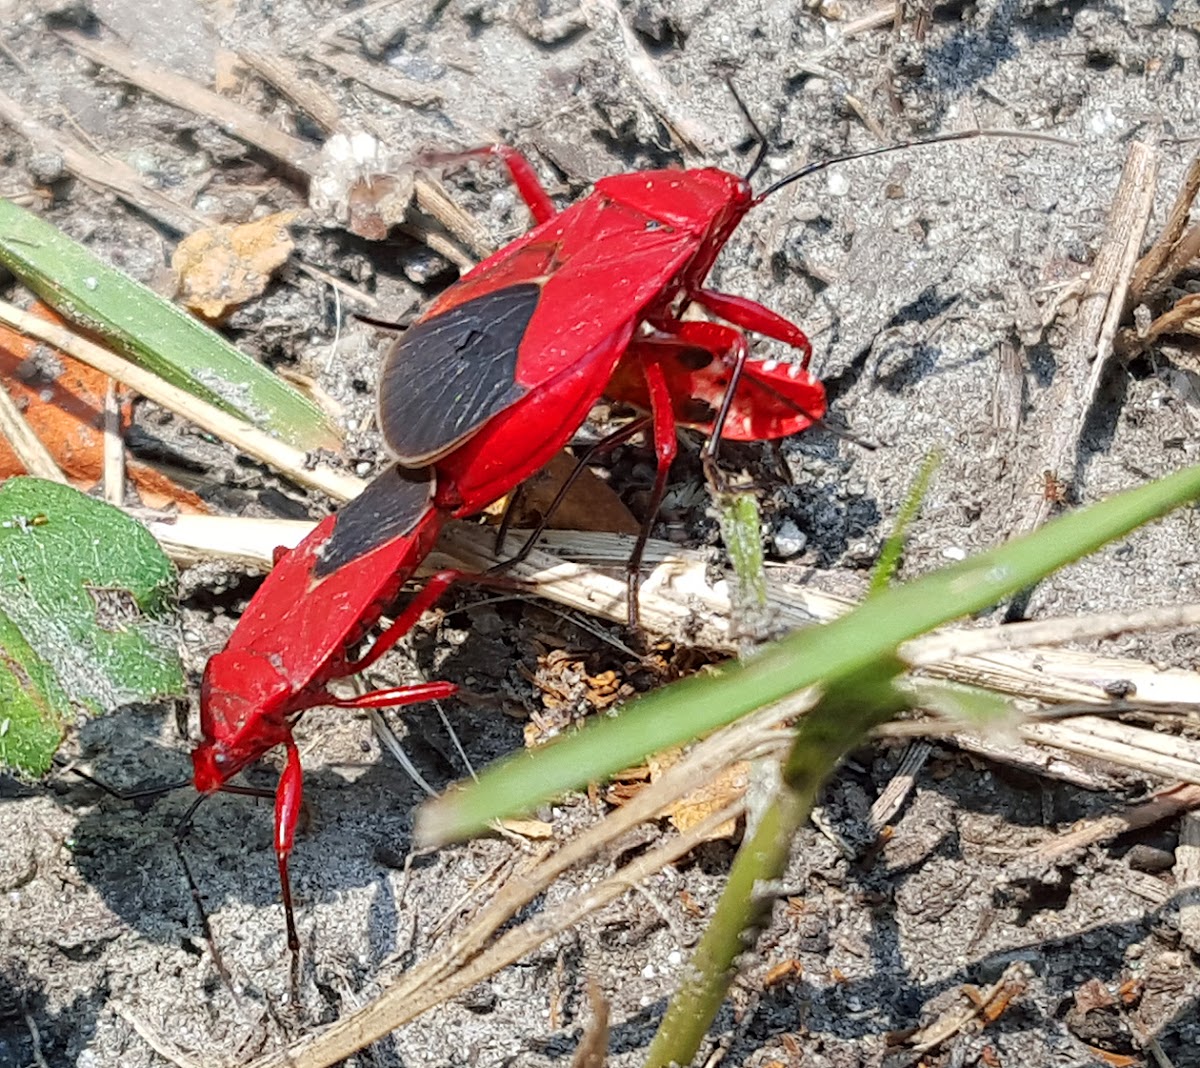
839	184
1150	859
789	539
954	552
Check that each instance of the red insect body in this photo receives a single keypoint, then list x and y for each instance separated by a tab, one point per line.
491	382
496	376
533	335
297	633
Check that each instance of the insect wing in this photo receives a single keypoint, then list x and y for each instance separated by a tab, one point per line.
328	591
522	319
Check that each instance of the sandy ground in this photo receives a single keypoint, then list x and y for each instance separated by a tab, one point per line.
914	274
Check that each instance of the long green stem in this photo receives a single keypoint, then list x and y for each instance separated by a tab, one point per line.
823	737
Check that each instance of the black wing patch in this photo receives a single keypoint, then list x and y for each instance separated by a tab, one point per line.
391	506
448	375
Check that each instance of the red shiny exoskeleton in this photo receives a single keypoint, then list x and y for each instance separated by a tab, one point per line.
504	366
297	635
492	381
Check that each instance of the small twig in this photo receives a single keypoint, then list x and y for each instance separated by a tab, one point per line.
1086	356
606	17
892	799
299	87
387	736
105	172
1164	805
382	79
1167	256
114	448
431	198
876	20
1187	880
359	296
156	1042
35	1039
952	1022
253	442
28	447
230	116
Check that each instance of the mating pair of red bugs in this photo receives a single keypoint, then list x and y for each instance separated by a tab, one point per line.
493	380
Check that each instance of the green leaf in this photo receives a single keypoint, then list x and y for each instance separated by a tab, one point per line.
817	655
86	602
154	333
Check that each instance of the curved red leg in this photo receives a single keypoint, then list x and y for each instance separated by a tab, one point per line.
289	796
666	445
520	170
750	315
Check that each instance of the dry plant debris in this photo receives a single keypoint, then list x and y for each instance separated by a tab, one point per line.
221	267
64	403
1159	298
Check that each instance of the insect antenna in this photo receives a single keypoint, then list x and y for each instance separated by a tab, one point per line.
759	136
141	793
181	832
937	139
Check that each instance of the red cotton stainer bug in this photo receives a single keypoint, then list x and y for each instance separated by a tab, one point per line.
492	380
505	365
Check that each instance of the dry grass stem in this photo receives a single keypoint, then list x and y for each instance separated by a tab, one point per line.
891	799
1173	249
114	448
250	440
1086	355
1187	880
1166	804
434	201
233	118
607	19
383	80
160	1045
102	171
27	446
297	86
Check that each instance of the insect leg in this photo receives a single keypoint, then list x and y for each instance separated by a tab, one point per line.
666	445
403	623
289	796
520	170
750	315
394	696
610	441
717	389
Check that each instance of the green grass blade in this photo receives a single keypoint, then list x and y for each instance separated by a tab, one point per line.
818	654
832	728
154	333
889	559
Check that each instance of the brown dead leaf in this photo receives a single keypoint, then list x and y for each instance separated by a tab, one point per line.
1093	995
591	503
783	972
1116	1060
697	806
1130	992
218	268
